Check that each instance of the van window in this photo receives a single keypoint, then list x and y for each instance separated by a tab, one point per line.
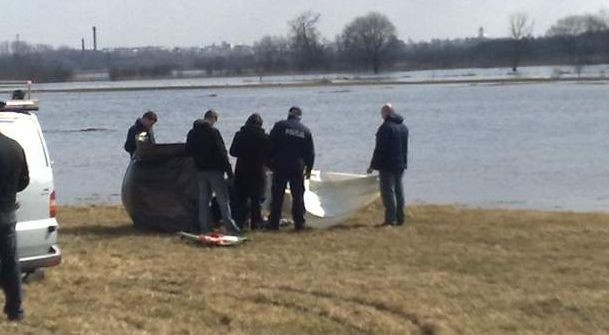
26	133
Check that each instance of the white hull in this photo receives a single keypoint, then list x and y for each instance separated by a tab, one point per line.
331	198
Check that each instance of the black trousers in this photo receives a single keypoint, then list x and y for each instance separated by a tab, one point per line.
248	196
297	189
248	204
10	273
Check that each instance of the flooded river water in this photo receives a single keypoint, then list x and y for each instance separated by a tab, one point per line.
537	146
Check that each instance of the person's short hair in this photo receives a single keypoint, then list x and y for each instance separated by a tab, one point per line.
388	107
150	115
211	115
254	120
295	111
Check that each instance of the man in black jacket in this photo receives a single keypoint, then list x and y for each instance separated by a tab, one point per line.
391	159
206	146
291	160
250	147
142	125
14	177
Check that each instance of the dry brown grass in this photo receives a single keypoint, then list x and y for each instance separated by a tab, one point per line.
455	271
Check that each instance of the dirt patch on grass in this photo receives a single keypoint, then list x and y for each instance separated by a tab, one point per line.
453	271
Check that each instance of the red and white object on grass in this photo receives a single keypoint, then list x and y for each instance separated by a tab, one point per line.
214	239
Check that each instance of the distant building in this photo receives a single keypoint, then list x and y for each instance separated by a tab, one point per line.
243	49
481	34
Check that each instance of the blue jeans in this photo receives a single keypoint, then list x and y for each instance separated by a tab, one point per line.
213	182
392	193
10	273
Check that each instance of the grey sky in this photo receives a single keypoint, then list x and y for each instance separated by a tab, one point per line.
200	22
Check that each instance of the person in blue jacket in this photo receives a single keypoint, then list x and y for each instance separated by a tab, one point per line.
291	159
144	124
391	160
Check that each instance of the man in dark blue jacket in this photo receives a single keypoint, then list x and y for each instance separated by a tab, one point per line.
142	125
206	146
391	159
291	159
14	177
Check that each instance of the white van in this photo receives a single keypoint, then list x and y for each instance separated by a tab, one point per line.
36	223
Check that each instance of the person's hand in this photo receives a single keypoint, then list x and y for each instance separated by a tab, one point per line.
370	170
308	175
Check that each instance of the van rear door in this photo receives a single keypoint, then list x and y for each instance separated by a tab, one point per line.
36	230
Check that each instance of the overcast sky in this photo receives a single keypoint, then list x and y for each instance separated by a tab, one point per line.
201	22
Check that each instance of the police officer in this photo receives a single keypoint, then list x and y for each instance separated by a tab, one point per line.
14	177
291	159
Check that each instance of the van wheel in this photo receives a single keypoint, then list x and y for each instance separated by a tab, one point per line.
33	276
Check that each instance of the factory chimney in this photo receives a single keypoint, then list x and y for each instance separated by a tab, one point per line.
82	44
94	38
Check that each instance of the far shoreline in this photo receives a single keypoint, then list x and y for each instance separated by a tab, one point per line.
322	84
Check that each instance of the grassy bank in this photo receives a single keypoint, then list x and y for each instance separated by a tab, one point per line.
455	271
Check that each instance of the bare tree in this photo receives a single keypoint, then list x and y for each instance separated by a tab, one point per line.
305	40
369	37
576	25
521	29
271	54
569	31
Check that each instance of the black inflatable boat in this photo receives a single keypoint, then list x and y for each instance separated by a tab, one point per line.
159	189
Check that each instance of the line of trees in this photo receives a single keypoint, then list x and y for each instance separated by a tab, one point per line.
22	61
367	43
576	40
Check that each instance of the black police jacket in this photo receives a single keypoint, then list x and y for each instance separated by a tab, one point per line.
292	148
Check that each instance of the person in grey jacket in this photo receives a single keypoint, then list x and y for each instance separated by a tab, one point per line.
205	144
14	178
391	159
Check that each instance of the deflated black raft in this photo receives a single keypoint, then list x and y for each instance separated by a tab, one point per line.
160	190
